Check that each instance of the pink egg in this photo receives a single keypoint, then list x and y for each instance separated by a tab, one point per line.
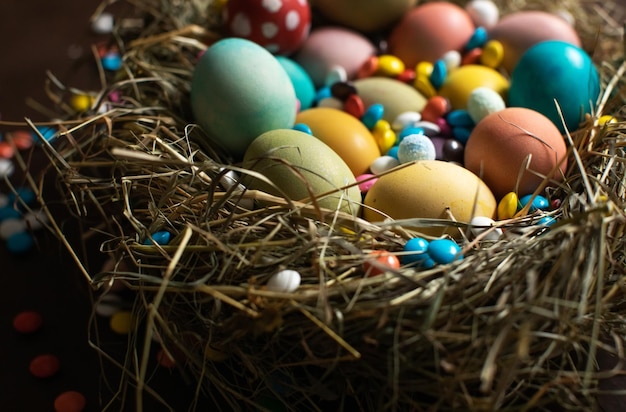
520	31
428	31
329	47
278	25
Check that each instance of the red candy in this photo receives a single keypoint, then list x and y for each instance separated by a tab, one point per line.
354	105
70	401
378	261
278	25
22	139
6	150
435	108
27	322
44	366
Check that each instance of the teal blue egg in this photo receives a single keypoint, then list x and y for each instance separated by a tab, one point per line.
239	91
301	81
555	70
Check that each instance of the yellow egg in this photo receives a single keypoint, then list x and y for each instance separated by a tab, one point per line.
461	82
343	133
429	189
299	166
397	97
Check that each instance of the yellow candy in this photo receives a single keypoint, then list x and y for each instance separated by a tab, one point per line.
122	322
384	135
389	66
81	102
424	69
492	54
424	86
606	119
507	207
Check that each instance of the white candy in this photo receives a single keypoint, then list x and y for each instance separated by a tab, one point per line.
430	128
108	305
6	168
404	120
416	147
103	24
335	74
383	163
331	102
480	224
285	281
483	13
452	59
36	219
11	226
482	102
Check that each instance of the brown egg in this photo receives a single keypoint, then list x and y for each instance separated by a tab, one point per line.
429	189
519	31
502	143
363	15
428	31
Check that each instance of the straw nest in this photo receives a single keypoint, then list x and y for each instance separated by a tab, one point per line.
515	325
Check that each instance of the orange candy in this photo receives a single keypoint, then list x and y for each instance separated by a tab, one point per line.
436	107
6	150
379	262
70	401
27	322
44	366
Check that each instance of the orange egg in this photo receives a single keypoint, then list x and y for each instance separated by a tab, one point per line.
343	133
519	31
505	143
428	31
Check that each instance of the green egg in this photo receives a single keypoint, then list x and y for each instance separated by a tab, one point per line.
296	162
240	91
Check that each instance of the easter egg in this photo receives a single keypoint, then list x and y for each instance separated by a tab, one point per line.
363	15
279	25
460	84
343	133
555	70
239	91
428	31
395	96
298	166
301	81
429	189
329	47
503	145
521	30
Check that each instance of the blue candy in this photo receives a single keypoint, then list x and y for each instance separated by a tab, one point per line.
303	128
461	134
459	118
444	251
161	237
372	115
393	152
416	249
407	131
8	212
111	62
538	203
478	39
20	242
439	74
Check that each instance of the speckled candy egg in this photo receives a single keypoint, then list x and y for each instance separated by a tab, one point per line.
521	30
286	157
428	189
363	15
499	147
278	25
329	47
555	70
428	31
239	91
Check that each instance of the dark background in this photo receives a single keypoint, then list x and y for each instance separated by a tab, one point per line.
36	37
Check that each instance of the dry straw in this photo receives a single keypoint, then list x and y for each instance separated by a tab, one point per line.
516	325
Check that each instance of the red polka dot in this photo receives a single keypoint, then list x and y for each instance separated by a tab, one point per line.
44	366
70	401
27	322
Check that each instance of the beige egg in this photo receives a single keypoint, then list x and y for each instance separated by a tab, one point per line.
431	189
397	97
363	15
298	166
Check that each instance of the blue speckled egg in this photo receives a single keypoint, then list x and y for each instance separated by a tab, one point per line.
240	91
555	70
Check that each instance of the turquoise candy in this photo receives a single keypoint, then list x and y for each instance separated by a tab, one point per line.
555	70
538	202
161	237
372	115
415	251
20	242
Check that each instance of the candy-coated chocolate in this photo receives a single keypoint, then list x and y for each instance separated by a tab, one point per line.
508	206
44	366
492	55
70	401
483	13
354	105
389	66
444	251
27	322
383	163
415	251
436	107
